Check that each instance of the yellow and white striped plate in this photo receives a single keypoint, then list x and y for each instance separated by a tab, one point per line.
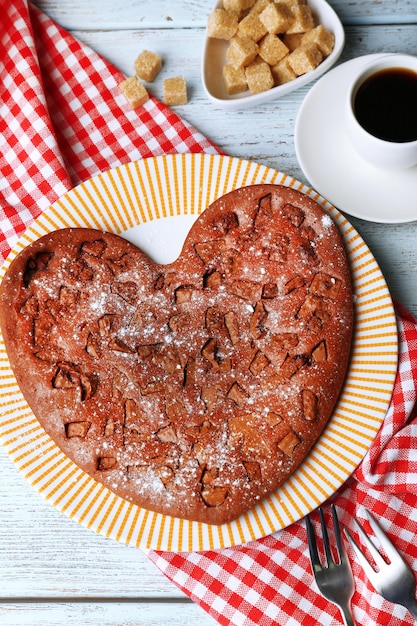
153	202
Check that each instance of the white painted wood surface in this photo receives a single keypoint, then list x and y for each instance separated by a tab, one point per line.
52	571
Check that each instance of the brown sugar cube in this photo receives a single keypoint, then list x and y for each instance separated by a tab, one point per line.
241	51
292	3
234	79
292	41
258	76
277	18
259	6
134	91
305	58
272	49
302	20
147	65
237	6
222	24
252	27
175	91
282	72
322	37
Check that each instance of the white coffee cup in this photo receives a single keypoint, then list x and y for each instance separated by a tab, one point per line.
392	153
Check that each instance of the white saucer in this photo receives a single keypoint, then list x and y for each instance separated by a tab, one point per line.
335	169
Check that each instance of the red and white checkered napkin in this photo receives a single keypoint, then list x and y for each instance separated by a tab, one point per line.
63	120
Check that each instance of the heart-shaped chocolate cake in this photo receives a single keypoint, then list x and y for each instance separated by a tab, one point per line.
196	388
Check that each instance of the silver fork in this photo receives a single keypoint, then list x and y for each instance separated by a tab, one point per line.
394	580
334	580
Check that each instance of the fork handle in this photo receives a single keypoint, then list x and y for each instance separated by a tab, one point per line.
347	614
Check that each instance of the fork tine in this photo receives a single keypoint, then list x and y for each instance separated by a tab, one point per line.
394	580
312	541
337	532
369	570
389	548
334	579
312	546
325	536
380	562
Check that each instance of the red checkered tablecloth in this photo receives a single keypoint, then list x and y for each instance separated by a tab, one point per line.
63	120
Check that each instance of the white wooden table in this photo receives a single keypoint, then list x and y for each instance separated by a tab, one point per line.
52	571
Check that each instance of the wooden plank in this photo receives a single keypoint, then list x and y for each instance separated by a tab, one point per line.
45	554
52	570
107	14
140	613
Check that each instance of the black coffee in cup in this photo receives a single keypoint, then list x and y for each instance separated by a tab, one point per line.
385	105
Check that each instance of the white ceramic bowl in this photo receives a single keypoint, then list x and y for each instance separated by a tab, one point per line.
214	58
